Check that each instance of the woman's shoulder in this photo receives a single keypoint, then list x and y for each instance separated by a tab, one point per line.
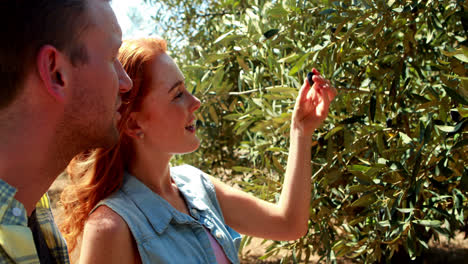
105	220
106	233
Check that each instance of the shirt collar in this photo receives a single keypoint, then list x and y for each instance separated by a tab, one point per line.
15	237
158	211
192	196
7	192
8	202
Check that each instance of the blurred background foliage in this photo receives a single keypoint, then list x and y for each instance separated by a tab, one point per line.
389	164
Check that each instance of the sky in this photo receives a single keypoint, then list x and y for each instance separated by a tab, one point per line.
141	27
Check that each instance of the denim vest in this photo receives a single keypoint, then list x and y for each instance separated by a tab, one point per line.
166	235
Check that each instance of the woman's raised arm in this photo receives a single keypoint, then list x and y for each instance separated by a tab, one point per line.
286	220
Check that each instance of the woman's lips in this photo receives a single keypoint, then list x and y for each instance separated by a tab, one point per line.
191	128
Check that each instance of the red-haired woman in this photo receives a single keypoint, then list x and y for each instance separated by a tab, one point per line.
129	206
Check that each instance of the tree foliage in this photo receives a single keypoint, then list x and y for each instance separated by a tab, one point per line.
390	163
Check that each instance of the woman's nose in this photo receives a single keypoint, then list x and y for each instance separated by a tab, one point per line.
125	83
195	104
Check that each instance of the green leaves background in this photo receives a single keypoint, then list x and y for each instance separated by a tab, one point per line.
390	162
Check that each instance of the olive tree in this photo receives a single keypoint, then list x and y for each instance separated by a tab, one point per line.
389	164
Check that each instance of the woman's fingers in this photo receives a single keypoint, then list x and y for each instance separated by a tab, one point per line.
325	85
332	92
326	101
318	80
315	100
303	93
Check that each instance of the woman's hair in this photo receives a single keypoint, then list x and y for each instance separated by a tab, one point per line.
96	174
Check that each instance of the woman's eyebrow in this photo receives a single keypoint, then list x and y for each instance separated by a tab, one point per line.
175	85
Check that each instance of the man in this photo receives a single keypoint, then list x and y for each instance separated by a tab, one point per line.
60	82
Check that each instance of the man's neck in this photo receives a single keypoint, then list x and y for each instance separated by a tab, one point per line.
35	147
30	160
30	178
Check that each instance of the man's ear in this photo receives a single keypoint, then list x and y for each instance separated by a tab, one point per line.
132	126
51	65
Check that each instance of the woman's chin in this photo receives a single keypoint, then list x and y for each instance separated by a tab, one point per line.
195	146
189	149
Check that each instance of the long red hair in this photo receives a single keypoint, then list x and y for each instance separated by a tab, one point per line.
96	174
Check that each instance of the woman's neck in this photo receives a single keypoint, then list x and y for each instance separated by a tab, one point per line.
153	170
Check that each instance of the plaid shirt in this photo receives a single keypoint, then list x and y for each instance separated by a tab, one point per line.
16	239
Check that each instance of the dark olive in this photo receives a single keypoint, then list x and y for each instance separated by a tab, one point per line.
455	115
309	78
389	122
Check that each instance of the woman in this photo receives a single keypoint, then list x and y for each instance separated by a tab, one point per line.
131	207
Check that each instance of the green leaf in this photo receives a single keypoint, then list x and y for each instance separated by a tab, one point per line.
336	19
276	149
232	116
281	89
364	201
195	67
243	126
359	188
277	12
333	175
327	11
447	129
363	178
299	64
406	139
244	242
385	223
430	223
268	254
462	57
333	131
289	58
243	64
405	210
277	164
424	244
452	129
214	57
360	168
459	54
213	114
242	169
456	96
222	37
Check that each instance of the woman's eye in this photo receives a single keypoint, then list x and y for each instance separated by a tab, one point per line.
178	95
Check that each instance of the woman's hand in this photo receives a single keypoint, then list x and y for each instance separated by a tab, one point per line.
312	105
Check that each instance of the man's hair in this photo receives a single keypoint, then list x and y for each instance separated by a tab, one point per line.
26	26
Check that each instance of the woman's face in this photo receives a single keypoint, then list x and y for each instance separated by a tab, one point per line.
167	115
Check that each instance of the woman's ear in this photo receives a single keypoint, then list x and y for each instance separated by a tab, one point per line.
132	126
51	66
